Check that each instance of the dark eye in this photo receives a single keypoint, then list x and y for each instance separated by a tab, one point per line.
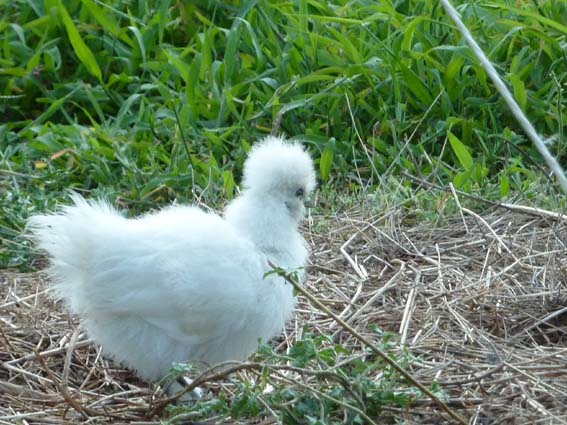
299	192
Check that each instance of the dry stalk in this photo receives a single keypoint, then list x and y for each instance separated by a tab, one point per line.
391	283
404	325
223	370
370	345
65	392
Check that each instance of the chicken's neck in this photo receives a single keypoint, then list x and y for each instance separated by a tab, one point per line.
270	226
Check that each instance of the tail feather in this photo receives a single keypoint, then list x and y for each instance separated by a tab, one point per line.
67	237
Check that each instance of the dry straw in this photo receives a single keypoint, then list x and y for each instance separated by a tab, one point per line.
477	298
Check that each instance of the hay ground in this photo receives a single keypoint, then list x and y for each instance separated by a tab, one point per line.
479	301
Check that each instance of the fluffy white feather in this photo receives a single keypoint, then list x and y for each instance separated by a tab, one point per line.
182	285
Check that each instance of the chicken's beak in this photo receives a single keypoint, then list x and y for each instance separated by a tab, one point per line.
308	203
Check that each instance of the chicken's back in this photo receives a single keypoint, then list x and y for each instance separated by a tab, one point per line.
99	257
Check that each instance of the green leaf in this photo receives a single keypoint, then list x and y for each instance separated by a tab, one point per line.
534	15
106	21
461	179
346	44
257	48
230	63
453	69
228	180
55	105
182	67
416	86
82	51
504	185
409	31
326	162
462	152
276	270
519	91
140	40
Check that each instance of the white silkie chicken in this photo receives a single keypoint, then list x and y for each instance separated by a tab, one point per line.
183	285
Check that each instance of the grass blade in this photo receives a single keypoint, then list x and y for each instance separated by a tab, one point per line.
82	51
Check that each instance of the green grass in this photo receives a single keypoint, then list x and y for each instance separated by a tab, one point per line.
147	102
121	88
329	383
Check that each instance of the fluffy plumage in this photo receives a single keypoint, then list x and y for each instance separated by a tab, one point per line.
182	285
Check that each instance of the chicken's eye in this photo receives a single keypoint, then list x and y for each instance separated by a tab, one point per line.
299	192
